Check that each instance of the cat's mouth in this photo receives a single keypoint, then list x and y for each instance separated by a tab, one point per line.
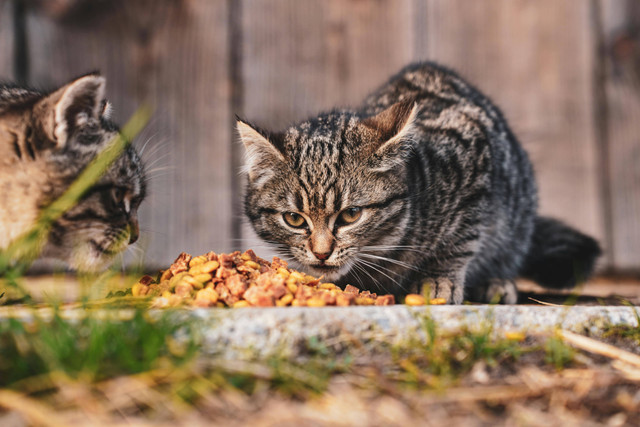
328	272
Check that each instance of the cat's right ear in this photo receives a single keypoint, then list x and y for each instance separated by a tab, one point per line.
261	151
61	112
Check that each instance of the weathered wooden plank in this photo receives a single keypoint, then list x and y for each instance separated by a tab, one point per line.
535	59
172	55
621	22
302	57
6	41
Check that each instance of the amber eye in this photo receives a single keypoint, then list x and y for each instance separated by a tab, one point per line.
349	216
295	220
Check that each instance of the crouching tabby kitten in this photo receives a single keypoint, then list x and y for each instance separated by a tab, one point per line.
46	140
425	183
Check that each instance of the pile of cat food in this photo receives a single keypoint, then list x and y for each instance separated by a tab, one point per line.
245	280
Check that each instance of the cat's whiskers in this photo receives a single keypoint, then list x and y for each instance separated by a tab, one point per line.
380	270
391	261
364	270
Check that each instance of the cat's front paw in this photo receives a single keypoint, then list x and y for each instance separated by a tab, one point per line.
496	291
443	287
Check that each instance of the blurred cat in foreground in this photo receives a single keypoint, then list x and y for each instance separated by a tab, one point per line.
46	141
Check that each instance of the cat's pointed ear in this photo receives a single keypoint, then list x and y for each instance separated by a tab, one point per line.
391	132
71	106
262	149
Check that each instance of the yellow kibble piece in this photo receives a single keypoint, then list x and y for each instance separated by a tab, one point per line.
167	294
245	257
195	284
414	299
365	301
207	267
515	336
252	264
285	300
297	303
241	304
328	286
315	302
175	280
292	287
207	294
138	289
296	276
197	261
220	304
202	278
437	301
283	272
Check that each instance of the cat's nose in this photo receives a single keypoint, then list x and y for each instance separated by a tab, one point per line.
134	231
322	256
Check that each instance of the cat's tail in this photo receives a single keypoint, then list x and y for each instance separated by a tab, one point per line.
559	256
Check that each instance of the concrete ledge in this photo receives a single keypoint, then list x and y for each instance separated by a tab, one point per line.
249	333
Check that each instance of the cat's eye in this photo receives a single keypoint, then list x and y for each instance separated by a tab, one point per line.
117	194
349	216
294	220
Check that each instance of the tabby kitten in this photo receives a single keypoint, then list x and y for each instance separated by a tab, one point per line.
46	140
424	184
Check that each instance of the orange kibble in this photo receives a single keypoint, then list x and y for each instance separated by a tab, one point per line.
437	301
316	302
285	300
414	299
241	304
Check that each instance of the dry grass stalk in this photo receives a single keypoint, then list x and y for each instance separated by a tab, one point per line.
546	303
594	346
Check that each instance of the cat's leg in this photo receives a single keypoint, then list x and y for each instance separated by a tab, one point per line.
448	283
503	291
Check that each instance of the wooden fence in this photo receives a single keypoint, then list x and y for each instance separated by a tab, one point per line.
566	73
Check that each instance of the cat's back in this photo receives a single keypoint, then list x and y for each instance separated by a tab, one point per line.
13	97
444	98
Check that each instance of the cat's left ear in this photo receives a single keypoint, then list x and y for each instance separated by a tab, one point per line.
263	150
391	132
63	111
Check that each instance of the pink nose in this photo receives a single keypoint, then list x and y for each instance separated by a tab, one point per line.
321	256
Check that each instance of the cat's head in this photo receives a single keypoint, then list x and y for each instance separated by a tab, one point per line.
63	132
328	188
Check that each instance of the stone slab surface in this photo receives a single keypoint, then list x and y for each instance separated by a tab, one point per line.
249	333
263	332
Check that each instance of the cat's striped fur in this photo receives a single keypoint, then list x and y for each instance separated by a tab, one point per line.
445	194
46	140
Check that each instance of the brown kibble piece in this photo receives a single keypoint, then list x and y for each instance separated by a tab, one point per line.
351	290
385	300
180	264
145	280
345	299
259	297
237	285
278	263
226	260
